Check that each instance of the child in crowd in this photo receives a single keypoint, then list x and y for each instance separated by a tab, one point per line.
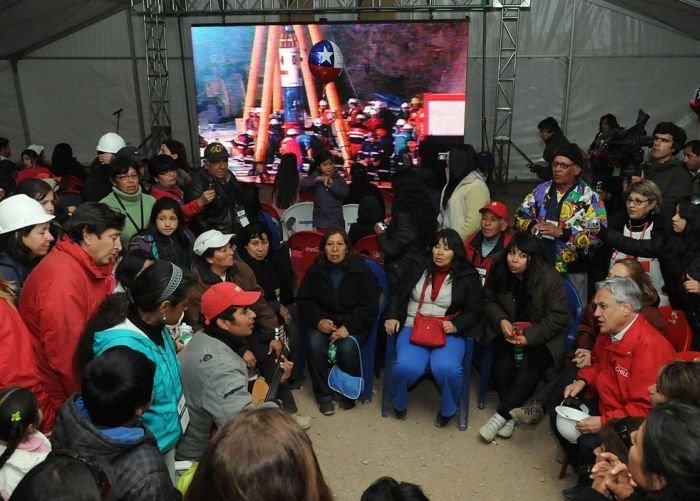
389	489
330	190
485	245
22	445
167	236
103	421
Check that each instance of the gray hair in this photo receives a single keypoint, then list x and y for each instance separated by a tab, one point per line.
623	290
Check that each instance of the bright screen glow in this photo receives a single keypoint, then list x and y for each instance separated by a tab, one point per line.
255	88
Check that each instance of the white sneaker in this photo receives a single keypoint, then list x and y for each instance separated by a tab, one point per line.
489	431
506	430
303	421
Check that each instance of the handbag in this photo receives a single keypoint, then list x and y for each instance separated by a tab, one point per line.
347	385
428	331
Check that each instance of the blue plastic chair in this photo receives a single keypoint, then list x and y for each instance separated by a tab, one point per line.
576	308
370	347
466	379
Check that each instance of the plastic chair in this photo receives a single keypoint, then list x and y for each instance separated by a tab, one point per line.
303	248
368	247
576	309
463	410
370	346
689	356
298	217
678	332
350	215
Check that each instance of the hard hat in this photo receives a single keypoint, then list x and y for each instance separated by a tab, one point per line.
373	111
405	106
36	148
318	122
367	109
353	101
292	132
323	102
20	211
361	116
400	122
274	121
407	127
110	143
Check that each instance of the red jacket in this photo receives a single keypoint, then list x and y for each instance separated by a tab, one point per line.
190	209
622	372
18	365
58	298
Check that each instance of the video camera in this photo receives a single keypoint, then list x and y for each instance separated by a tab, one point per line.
622	147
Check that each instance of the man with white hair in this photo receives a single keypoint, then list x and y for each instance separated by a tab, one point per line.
626	357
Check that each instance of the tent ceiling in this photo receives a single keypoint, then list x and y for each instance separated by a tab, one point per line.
26	25
682	15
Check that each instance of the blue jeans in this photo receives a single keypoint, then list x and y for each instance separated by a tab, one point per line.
411	363
347	358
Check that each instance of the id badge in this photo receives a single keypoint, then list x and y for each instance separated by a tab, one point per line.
183	413
242	218
482	274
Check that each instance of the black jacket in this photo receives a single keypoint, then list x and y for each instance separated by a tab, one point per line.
673	179
274	275
138	468
221	213
354	304
401	243
548	309
467	298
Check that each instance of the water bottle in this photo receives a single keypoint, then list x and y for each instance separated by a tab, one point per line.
518	354
185	333
332	353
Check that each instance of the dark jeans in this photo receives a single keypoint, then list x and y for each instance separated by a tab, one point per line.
347	358
515	384
580	454
551	393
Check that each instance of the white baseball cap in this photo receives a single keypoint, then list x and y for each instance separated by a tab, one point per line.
211	239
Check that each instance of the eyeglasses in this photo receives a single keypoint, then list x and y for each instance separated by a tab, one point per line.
562	165
101	478
636	202
127	177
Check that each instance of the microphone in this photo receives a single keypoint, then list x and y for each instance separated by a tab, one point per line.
118	112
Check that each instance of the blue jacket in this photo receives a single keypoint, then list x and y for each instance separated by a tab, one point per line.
161	418
13	271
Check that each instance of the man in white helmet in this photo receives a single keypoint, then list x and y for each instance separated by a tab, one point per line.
97	185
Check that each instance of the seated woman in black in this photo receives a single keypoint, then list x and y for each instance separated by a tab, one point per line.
527	316
338	298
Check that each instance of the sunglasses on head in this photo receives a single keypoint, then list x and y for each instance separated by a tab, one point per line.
98	473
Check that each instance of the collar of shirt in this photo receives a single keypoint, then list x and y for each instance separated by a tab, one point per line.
618	337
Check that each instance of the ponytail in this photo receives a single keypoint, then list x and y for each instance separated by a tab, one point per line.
18	411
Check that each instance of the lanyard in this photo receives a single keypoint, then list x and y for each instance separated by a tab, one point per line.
138	228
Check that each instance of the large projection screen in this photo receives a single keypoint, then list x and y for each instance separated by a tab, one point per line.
254	87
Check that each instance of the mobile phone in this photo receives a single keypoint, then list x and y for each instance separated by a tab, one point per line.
210	186
382	225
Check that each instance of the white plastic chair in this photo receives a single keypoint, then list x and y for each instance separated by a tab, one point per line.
350	215
298	217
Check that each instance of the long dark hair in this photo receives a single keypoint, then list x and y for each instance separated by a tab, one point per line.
682	247
18	411
11	243
412	200
462	161
143	296
671	449
286	185
527	243
180	236
260	454
454	242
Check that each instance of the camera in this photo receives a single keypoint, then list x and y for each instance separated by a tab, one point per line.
622	147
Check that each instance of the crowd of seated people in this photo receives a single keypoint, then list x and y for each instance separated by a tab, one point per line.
101	272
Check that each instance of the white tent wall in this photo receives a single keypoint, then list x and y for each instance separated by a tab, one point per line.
619	63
